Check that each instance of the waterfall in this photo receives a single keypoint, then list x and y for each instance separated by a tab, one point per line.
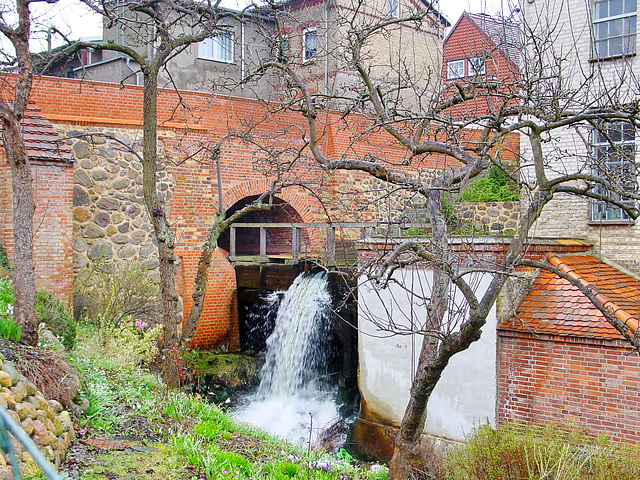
294	398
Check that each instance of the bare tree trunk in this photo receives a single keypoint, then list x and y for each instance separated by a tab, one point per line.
170	347
24	288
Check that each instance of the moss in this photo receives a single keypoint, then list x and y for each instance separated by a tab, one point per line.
229	369
137	462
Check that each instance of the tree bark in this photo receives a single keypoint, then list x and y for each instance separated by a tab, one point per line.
24	287
170	348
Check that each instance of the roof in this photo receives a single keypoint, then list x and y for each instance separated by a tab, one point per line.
504	33
41	139
554	306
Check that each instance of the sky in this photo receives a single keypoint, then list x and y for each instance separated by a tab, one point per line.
76	21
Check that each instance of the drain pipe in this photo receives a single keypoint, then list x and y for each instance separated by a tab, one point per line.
127	61
326	48
242	53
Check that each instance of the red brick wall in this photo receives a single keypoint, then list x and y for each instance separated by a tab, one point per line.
52	229
592	383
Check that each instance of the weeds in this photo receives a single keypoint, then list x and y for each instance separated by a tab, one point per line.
515	451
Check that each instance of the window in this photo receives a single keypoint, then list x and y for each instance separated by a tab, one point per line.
393	8
614	157
477	66
218	47
309	44
455	69
614	28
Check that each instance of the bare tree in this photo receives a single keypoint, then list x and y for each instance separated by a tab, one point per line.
536	105
15	25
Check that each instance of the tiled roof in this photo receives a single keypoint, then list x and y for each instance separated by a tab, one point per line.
554	306
503	33
41	139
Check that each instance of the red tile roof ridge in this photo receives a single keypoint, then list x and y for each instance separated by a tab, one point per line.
629	320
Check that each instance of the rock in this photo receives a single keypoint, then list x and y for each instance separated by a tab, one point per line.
120	183
50	340
111	230
83	178
81	149
102	218
79	245
25	410
19	391
80	197
99	174
93	231
48	452
5	379
99	252
126	252
55	405
8	399
41	434
6	473
27	426
124	228
10	368
108	204
57	426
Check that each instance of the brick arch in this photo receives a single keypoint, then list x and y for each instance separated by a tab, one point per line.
306	205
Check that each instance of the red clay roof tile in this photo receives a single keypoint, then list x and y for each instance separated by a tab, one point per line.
554	306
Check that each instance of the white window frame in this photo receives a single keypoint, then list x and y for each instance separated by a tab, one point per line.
614	151
474	63
307	53
393	8
614	30
455	69
214	49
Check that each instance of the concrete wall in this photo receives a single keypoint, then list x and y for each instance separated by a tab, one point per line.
466	394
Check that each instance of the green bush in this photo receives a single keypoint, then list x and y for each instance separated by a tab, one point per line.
497	186
4	259
56	317
111	293
515	451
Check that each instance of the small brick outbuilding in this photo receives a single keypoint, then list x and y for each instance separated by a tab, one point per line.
560	361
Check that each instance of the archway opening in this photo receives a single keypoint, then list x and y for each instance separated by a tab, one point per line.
279	239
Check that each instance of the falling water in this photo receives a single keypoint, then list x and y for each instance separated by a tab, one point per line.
294	399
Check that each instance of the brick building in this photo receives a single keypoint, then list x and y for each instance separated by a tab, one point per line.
483	51
560	360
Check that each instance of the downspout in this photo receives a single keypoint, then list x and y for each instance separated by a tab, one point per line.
127	61
326	47
242	59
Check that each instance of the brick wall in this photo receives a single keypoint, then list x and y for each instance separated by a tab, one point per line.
548	379
52	227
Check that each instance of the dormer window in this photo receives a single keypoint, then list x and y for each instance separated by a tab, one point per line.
309	44
393	8
455	69
477	66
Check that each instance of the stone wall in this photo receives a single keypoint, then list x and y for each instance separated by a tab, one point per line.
488	217
110	220
48	425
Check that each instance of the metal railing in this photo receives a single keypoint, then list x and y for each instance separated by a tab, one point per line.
367	229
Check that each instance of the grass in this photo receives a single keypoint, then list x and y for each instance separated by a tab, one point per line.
183	436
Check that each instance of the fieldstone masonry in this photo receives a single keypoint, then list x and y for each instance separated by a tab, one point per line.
110	220
489	217
48	425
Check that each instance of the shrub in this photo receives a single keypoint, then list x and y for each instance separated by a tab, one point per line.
56	317
538	453
110	293
4	259
497	186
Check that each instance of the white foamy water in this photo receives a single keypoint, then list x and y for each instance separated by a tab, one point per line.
293	401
